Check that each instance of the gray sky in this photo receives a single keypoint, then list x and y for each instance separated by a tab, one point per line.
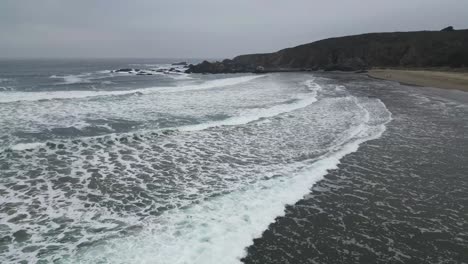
204	28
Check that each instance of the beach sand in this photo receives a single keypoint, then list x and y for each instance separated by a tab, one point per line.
438	79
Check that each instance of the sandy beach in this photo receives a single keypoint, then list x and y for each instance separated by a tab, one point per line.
438	79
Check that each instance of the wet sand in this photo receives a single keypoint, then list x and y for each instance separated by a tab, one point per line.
402	198
437	79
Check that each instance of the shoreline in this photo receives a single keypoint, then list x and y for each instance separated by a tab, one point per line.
364	199
453	80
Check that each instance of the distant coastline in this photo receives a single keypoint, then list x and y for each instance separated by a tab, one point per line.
419	49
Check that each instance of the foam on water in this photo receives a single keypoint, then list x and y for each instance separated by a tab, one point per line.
72	79
180	76
241	117
250	115
25	146
8	88
219	229
196	195
209	84
6	80
8	97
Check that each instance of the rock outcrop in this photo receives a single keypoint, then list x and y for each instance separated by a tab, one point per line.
225	66
446	48
126	70
173	69
448	29
182	63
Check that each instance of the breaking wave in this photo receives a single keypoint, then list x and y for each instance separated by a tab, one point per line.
189	194
8	97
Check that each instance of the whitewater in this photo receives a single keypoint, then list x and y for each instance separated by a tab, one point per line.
120	168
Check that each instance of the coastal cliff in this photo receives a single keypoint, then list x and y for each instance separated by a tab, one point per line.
421	49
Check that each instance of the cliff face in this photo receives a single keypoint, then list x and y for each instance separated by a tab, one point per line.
448	48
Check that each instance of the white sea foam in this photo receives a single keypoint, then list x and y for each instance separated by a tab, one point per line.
250	115
243	117
254	114
6	88
180	76
312	85
72	79
219	229
218	188
209	84
49	95
5	80
25	146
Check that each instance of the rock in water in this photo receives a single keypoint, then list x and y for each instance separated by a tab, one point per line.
259	69
448	29
183	63
226	66
125	70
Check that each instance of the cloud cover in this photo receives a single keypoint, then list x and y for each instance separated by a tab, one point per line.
203	28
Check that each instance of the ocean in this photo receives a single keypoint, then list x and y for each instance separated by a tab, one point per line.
152	165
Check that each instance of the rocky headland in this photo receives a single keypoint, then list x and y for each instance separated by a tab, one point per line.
420	49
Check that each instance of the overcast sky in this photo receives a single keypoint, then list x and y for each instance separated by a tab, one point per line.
204	28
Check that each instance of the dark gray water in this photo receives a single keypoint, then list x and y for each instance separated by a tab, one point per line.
402	198
105	167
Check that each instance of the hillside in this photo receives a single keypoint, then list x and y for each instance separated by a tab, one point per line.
421	49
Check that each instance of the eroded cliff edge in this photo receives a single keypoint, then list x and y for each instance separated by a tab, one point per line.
420	49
